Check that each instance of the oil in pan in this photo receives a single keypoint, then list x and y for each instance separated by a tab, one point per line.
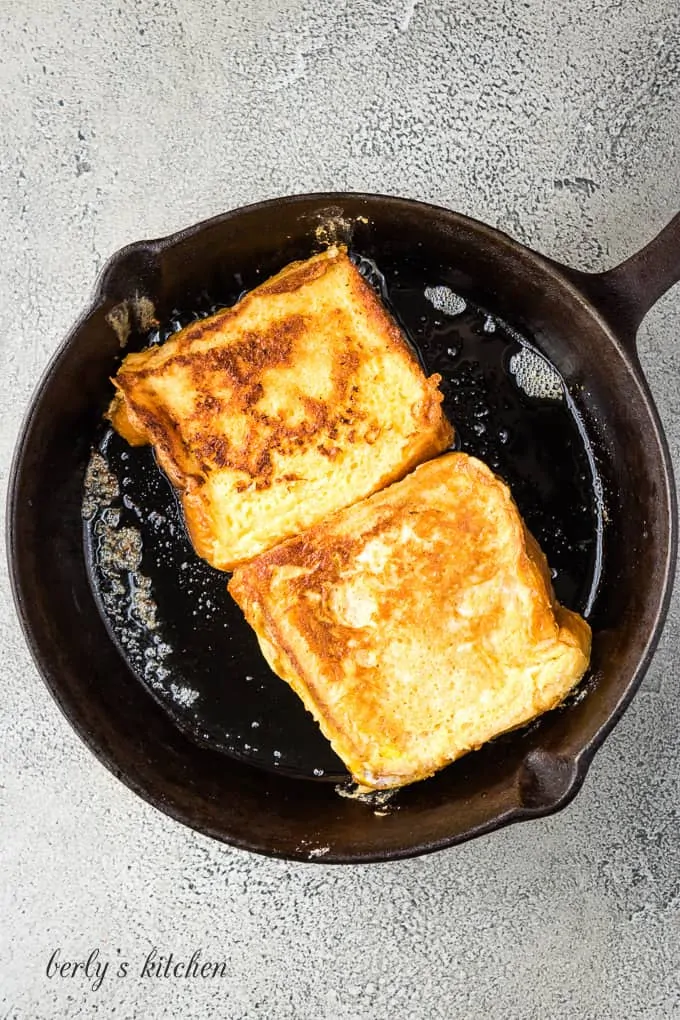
170	613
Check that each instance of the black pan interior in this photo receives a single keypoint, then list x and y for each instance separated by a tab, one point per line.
169	613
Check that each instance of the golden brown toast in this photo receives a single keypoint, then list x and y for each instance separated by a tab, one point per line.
303	398
416	624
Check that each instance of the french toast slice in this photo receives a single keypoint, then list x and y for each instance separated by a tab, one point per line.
417	624
302	398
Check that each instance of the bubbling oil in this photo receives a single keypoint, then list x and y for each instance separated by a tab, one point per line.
170	613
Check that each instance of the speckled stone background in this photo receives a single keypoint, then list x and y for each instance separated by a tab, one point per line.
557	122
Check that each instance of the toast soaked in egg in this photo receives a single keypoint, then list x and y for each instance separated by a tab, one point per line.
301	399
417	624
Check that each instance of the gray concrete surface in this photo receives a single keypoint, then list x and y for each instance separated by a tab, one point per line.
557	122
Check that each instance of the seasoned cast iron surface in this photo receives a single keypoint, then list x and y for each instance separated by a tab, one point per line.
169	612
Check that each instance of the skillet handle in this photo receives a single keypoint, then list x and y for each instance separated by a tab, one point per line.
627	292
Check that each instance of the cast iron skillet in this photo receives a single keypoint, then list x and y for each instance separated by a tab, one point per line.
584	324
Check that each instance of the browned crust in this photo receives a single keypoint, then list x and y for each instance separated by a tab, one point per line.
119	416
309	651
227	366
